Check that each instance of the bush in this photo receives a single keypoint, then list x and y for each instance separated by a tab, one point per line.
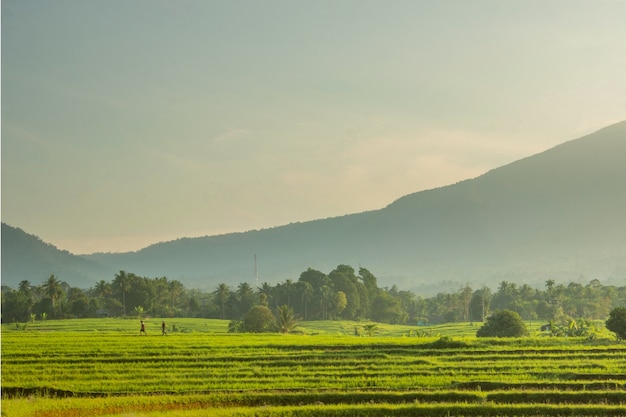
235	326
446	342
617	322
259	319
505	323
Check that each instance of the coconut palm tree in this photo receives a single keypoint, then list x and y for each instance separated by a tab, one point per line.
175	288
289	289
53	289
121	284
285	319
102	289
245	296
221	296
306	290
24	287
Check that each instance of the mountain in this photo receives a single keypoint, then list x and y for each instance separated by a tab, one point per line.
556	215
27	257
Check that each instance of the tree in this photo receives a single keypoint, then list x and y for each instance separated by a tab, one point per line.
25	288
245	296
506	297
344	280
340	302
617	322
175	288
289	289
78	302
121	284
15	306
479	304
259	319
285	319
52	288
306	290
387	309
326	298
505	323
370	282
221	296
316	307
466	297
102	289
268	291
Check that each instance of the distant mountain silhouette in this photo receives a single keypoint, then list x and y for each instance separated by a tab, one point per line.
556	215
27	257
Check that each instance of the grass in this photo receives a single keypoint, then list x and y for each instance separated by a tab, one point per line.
191	325
103	367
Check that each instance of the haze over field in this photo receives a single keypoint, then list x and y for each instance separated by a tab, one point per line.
128	123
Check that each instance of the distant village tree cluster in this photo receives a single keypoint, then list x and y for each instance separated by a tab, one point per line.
343	294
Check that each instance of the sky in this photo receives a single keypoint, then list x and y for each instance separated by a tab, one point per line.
126	123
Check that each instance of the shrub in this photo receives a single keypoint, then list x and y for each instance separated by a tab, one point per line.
259	319
617	322
235	326
446	342
505	323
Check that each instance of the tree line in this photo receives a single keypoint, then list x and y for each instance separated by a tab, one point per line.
343	293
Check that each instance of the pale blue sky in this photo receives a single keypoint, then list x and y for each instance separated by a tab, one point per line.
125	123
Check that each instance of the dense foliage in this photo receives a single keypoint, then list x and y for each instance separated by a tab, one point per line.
617	322
341	294
504	323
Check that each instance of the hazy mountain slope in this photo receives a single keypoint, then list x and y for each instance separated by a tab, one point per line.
26	257
556	214
561	211
559	214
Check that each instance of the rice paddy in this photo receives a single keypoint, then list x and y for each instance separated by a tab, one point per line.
103	367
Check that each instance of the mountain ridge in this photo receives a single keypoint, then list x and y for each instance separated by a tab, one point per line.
26	257
549	215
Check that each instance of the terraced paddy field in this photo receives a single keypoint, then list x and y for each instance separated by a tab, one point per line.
104	368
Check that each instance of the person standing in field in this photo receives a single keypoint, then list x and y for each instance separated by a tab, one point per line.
163	328
143	329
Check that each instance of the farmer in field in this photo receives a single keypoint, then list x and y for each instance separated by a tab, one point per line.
163	328
143	329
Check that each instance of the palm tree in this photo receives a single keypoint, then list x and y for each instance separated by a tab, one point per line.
221	295
52	288
286	320
121	283
288	290
24	287
25	291
267	291
466	296
245	295
176	288
307	295
102	289
325	300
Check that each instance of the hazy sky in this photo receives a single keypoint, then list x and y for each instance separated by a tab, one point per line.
125	123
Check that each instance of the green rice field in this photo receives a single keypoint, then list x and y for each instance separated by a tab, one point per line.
102	367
